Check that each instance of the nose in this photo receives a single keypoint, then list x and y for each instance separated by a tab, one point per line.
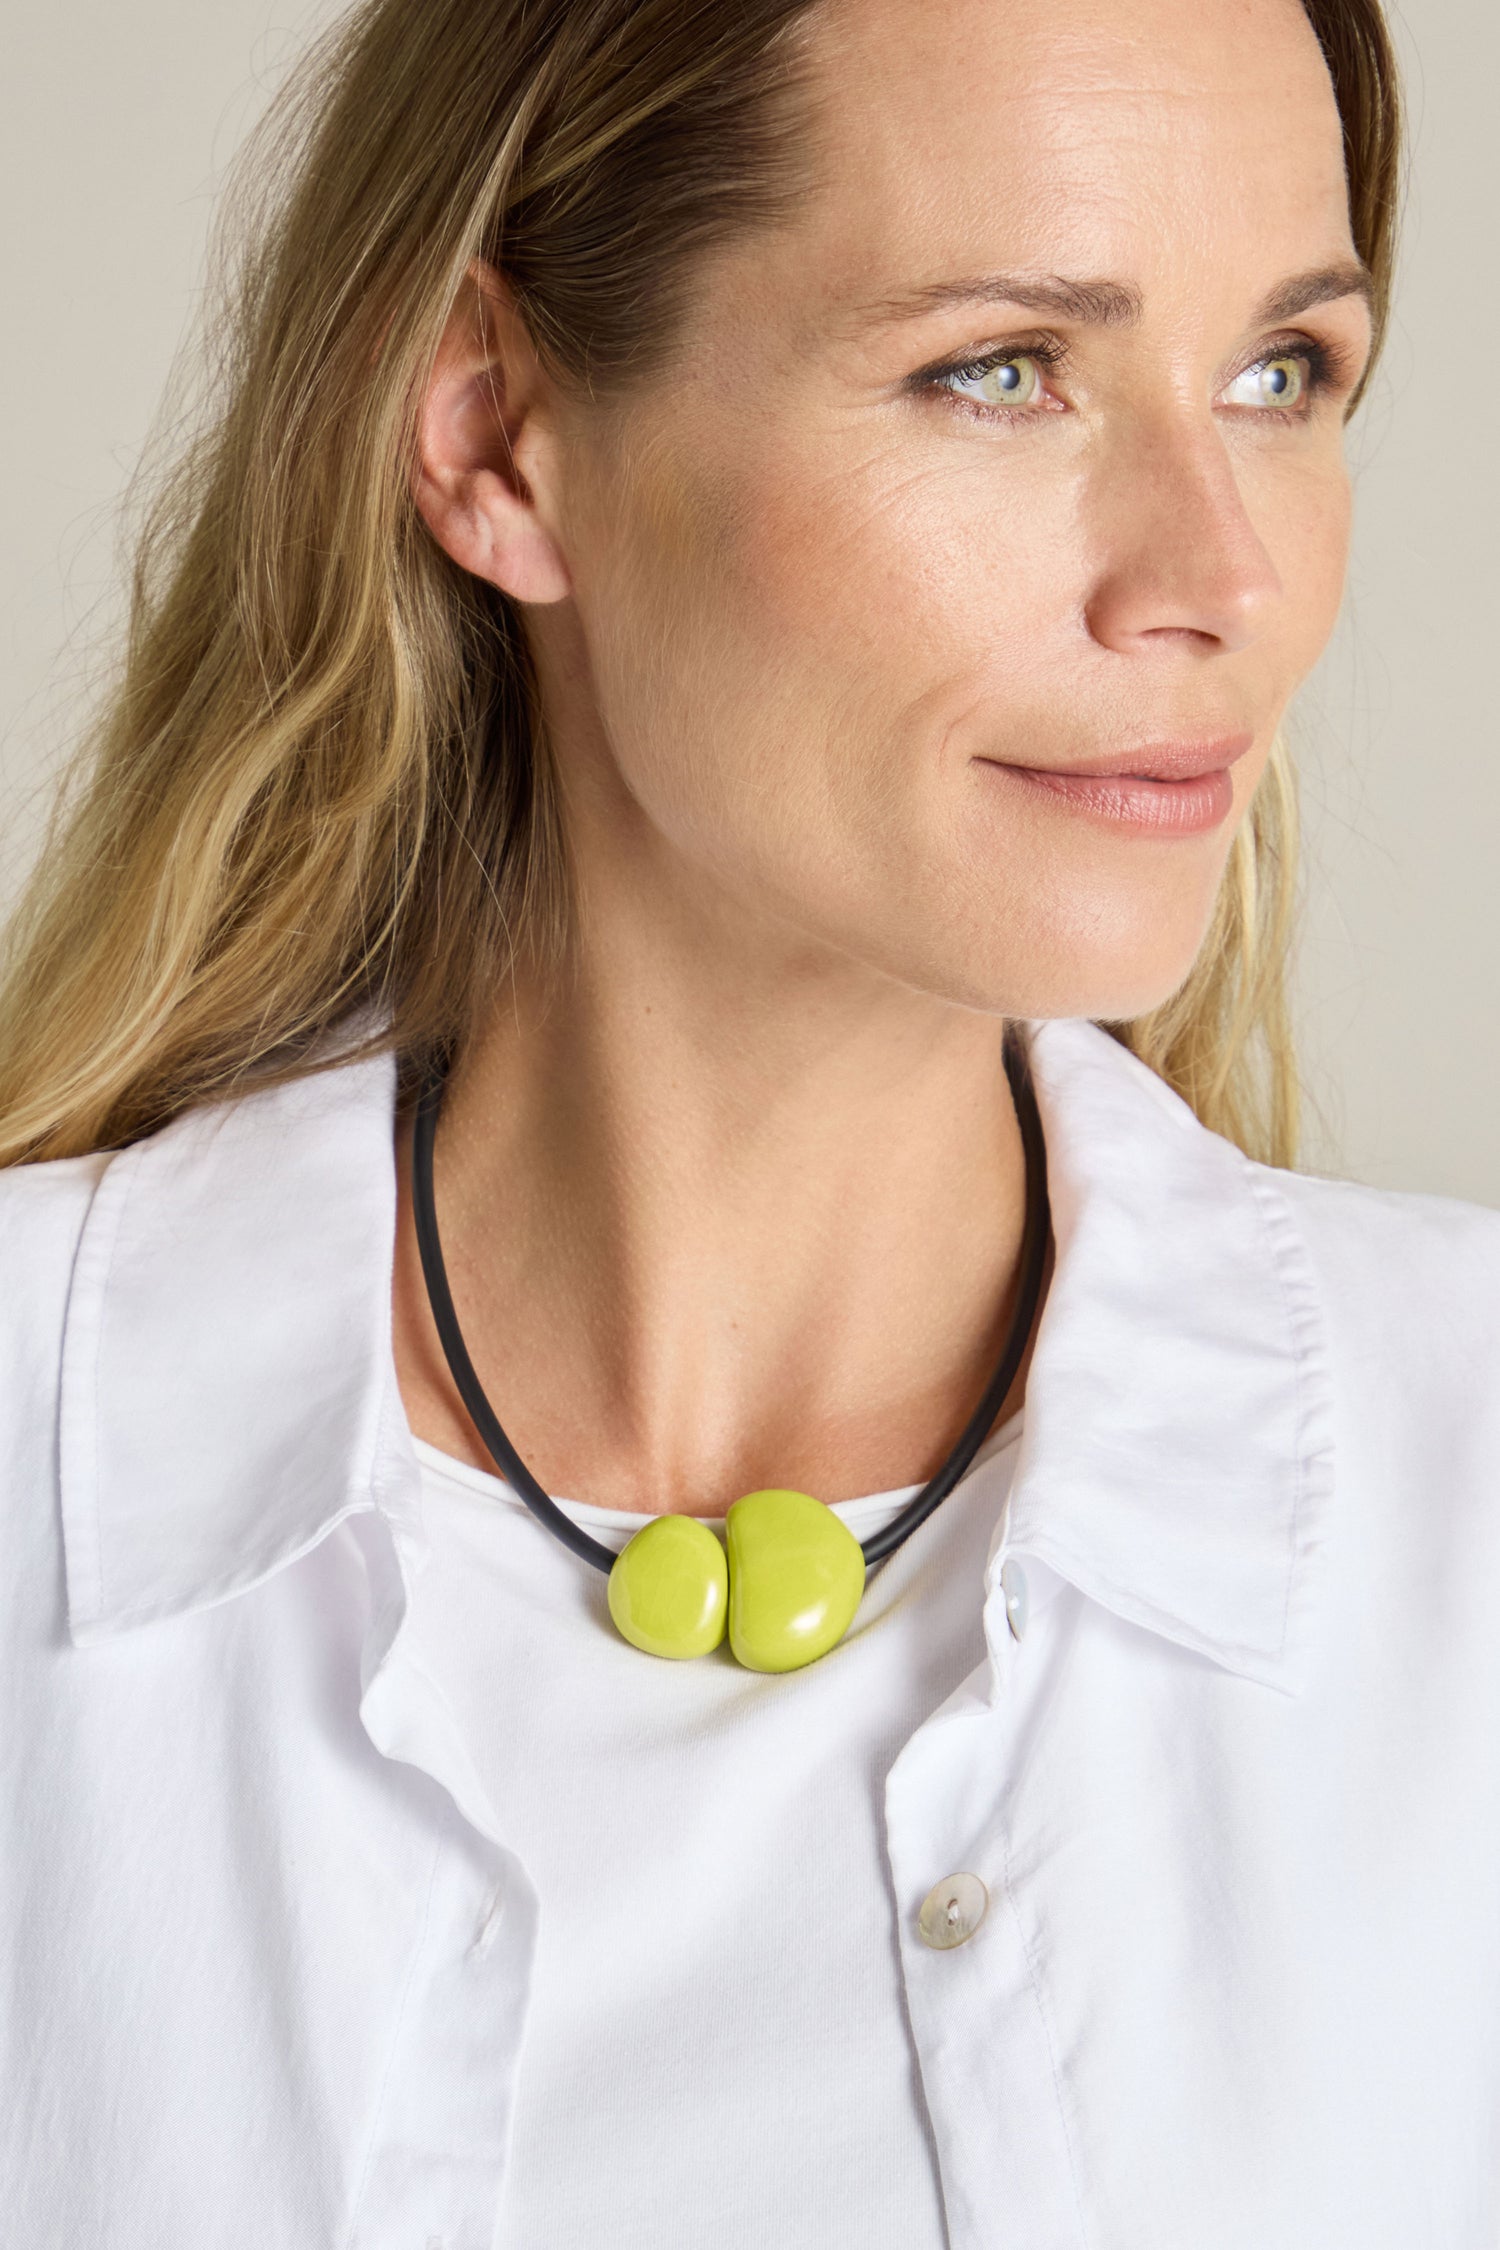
1179	559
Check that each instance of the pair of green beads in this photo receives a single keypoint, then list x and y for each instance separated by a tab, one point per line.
786	1590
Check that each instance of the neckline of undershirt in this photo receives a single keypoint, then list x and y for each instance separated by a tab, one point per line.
867	1513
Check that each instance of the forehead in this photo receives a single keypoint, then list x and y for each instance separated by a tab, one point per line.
1128	137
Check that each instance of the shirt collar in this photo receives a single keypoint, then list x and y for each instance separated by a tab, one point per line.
228	1394
1176	1462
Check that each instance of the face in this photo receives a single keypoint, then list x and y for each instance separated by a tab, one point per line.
941	604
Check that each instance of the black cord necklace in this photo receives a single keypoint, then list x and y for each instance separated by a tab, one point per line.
794	1573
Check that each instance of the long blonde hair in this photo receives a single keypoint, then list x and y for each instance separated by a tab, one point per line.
324	784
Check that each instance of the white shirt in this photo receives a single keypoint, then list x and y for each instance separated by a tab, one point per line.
707	1846
269	1944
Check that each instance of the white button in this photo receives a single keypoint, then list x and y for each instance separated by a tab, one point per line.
952	1911
1013	1586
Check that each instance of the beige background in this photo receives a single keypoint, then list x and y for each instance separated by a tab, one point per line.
116	122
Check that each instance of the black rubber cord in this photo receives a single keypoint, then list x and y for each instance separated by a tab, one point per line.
470	1390
883	1543
1033	1264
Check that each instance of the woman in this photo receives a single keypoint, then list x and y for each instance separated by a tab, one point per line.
700	740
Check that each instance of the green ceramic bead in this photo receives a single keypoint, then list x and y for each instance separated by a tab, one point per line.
669	1588
796	1574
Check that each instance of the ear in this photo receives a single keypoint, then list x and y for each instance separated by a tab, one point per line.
482	416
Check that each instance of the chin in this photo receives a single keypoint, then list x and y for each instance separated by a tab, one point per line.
1106	956
1112	990
1106	991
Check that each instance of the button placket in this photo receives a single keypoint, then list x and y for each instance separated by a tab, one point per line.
957	1797
440	2134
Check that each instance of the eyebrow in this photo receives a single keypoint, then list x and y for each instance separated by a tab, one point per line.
1108	304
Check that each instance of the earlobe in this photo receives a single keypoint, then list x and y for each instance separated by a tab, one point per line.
480	410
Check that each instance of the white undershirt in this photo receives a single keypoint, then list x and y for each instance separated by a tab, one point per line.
716	2051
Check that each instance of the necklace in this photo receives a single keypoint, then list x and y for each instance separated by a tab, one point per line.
789	1577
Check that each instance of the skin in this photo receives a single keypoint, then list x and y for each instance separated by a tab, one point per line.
740	1202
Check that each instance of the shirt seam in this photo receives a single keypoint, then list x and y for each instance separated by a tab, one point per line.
1284	1243
1029	1958
1299	1482
83	1341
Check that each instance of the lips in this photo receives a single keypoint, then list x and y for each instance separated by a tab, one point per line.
1177	760
1161	788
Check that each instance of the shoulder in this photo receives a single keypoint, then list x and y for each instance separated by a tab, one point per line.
225	1206
1418	1275
44	1205
43	1209
1407	1291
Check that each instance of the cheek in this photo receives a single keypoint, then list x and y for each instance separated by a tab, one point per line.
1303	516
899	602
797	616
830	605
653	564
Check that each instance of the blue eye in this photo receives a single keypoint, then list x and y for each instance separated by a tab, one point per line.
1007	383
1012	381
1280	382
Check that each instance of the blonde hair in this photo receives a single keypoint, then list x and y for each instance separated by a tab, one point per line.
323	785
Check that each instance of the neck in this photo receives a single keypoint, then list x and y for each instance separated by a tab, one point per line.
716	1222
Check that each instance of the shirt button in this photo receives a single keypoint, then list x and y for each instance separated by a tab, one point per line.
952	1911
1013	1586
